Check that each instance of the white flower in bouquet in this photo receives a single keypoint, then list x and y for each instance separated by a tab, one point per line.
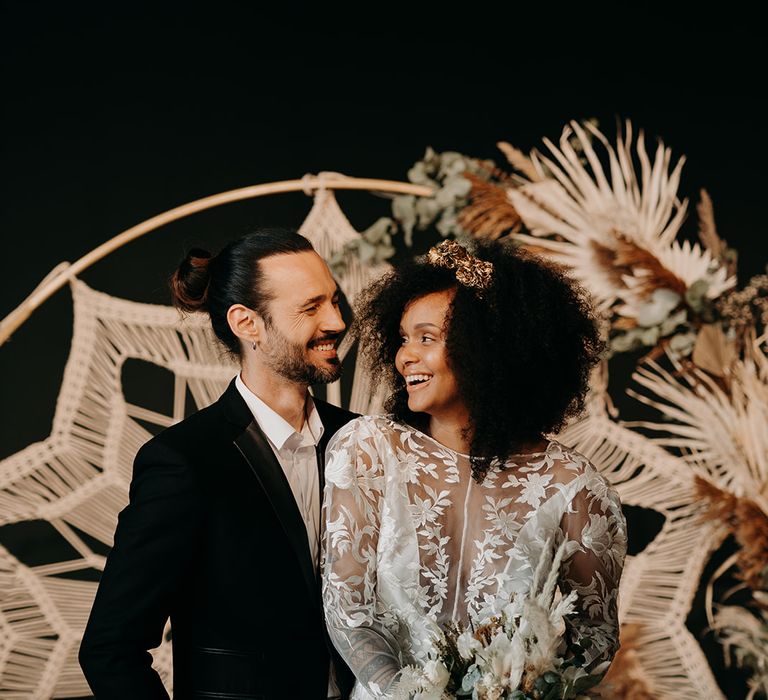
467	645
427	683
503	661
437	676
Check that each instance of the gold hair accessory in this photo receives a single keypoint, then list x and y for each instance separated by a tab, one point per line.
469	270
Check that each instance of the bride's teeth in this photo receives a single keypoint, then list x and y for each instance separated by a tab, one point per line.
413	378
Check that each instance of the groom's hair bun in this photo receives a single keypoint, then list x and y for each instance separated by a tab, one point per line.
191	280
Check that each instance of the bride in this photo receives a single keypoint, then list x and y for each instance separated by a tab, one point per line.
441	510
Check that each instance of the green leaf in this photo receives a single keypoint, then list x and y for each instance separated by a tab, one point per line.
675	320
419	175
626	342
469	681
380	231
696	295
455	187
448	223
404	210
452	163
426	211
650	336
586	682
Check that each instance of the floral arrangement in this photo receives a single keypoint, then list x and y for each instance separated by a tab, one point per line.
517	655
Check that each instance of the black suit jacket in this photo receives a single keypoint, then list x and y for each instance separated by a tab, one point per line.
213	538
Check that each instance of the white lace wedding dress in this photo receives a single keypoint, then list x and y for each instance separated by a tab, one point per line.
412	542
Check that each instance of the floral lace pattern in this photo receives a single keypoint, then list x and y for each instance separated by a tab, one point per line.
411	542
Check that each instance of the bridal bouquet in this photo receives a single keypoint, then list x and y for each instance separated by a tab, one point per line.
515	656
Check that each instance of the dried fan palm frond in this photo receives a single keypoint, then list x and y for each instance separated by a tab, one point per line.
746	636
519	160
489	213
626	678
721	434
749	526
585	217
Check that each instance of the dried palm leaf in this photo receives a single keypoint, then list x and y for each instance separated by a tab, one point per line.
594	213
747	636
489	213
519	161
720	432
713	352
707	229
749	526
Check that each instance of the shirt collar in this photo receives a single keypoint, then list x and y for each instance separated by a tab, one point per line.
275	427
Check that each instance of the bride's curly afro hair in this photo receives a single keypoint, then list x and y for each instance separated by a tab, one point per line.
522	352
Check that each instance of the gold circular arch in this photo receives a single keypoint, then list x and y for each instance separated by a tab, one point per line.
65	272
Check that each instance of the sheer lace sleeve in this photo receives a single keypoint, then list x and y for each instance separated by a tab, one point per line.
356	619
594	522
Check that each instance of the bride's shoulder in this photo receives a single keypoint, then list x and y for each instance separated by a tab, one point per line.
576	472
560	456
562	463
367	434
359	452
365	427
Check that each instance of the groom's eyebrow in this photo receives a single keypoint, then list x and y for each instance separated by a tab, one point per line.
321	297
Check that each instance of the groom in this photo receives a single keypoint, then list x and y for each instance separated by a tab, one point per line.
222	530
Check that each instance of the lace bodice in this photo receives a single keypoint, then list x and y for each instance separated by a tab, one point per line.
411	542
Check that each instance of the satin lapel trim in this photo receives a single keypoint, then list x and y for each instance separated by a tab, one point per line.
261	459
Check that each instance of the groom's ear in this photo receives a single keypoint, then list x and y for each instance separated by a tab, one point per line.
245	323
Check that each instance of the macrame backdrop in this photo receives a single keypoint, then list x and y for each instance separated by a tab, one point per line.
77	480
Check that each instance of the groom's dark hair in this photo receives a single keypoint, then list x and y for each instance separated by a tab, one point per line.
204	282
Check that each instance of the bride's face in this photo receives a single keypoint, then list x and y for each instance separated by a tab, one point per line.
423	360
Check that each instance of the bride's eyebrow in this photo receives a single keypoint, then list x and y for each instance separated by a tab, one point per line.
419	326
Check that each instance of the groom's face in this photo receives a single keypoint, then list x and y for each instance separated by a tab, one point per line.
304	324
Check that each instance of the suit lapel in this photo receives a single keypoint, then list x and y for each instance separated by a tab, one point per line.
258	454
261	459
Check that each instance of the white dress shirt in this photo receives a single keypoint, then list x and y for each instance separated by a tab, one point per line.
297	456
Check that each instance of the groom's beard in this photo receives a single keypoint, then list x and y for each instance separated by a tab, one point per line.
290	360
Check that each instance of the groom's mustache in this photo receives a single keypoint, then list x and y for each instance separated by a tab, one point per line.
330	337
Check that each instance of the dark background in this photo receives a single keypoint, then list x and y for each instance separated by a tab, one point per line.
114	113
